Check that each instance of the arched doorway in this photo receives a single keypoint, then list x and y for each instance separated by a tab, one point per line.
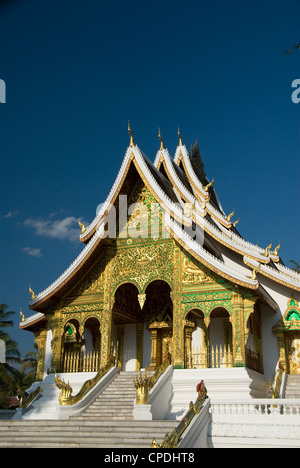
157	315
81	351
126	324
196	339
91	345
253	351
220	339
142	325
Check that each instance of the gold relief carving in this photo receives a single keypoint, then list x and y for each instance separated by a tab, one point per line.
83	308
40	339
107	316
92	282
144	217
139	264
293	346
287	331
191	273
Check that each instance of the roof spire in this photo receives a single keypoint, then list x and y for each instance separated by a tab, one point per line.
132	142
161	140
179	136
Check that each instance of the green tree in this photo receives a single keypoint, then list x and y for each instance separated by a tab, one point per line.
29	365
8	374
12	351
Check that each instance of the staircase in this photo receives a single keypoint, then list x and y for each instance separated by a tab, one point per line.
292	389
106	423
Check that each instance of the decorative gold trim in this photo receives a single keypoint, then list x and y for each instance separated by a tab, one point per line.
273	278
209	265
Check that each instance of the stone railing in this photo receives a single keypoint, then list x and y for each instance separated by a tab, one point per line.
7	414
262	407
257	423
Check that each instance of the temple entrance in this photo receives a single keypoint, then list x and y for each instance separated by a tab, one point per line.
253	351
158	320
126	323
142	325
220	339
196	340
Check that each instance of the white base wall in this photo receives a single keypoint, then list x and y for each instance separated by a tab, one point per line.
230	384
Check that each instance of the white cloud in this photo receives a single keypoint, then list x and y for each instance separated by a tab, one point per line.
33	252
66	228
10	214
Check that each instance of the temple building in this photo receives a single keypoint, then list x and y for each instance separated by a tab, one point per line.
165	272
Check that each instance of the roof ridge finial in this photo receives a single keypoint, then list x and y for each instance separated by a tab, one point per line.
179	136
132	142
33	296
161	140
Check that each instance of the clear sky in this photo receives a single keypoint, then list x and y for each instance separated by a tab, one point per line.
76	71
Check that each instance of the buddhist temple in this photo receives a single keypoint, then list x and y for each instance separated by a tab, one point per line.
164	274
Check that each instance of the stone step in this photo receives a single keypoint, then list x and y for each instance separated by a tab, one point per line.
71	433
106	422
55	424
292	389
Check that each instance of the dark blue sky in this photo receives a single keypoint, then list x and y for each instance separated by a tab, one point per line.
75	72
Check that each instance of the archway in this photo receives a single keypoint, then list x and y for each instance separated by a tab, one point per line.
142	325
195	340
253	351
91	345
71	345
81	351
157	315
126	320
220	339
